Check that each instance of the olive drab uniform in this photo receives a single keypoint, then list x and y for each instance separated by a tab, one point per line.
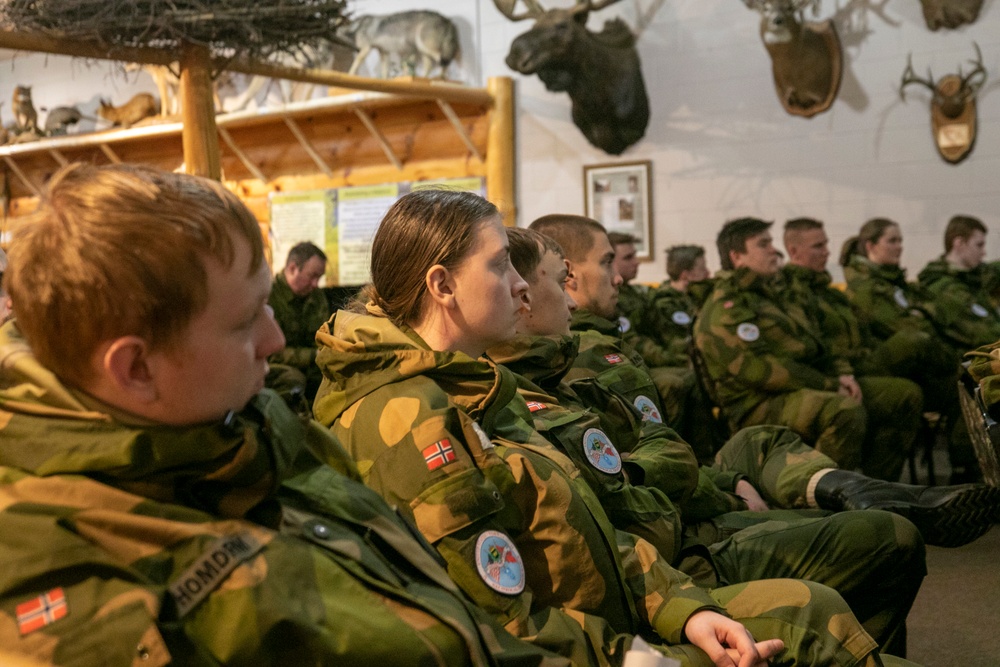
893	405
299	317
770	367
874	559
671	313
223	543
964	312
527	540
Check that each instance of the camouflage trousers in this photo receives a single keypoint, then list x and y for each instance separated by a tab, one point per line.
874	559
833	424
894	407
813	621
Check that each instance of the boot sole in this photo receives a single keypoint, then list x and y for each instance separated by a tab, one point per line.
960	519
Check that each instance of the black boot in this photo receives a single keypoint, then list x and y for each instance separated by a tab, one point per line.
947	516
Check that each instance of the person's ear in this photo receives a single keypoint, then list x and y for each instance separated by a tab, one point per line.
440	285
571	277
125	363
734	258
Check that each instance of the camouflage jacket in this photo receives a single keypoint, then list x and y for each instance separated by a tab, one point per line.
299	317
425	428
964	313
831	310
215	544
883	300
653	454
667	323
756	345
633	309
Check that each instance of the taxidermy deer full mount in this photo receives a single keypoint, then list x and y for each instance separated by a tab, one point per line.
806	57
600	71
953	106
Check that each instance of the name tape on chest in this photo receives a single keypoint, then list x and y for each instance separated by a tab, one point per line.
681	318
499	563
211	568
600	452
647	407
748	332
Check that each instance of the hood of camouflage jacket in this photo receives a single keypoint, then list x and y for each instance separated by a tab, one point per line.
225	468
584	320
544	360
941	268
360	353
861	268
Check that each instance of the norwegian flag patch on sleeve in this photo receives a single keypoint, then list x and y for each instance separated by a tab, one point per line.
44	610
535	406
613	358
438	454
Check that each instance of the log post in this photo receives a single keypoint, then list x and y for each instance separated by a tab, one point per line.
500	149
200	136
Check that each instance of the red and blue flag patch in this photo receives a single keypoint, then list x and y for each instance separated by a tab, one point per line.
438	454
43	610
535	406
613	358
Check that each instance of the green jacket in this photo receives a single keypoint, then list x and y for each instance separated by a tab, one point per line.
668	323
964	313
633	311
299	317
831	310
426	430
226	543
756	345
884	301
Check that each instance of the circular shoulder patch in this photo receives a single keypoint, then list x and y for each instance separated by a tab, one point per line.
648	410
900	298
979	310
600	452
748	332
624	325
681	318
499	564
484	439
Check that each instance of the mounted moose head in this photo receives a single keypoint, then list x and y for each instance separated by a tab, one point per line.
950	13
953	106
806	58
600	71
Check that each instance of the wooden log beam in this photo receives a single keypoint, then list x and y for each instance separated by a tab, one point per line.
500	149
200	136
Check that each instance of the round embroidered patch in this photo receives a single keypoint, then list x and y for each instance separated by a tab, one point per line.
484	439
648	410
681	318
600	452
979	310
624	325
748	332
900	298
499	564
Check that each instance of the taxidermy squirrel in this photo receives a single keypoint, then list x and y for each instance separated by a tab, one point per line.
25	116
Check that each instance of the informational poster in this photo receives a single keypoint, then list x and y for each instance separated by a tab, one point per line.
343	222
303	216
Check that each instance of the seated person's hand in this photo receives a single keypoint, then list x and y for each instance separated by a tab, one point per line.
727	642
746	491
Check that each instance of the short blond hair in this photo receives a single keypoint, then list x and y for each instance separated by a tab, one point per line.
119	250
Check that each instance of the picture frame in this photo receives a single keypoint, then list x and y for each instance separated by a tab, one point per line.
620	196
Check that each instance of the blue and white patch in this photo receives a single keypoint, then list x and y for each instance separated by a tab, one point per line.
624	325
484	439
648	409
979	310
900	298
748	332
681	318
600	452
499	564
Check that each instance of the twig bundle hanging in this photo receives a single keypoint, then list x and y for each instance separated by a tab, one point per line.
253	28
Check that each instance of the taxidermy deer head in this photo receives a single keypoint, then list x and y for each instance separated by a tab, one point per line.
806	58
953	106
600	71
950	13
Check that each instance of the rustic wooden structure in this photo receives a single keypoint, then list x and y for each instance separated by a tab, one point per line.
385	131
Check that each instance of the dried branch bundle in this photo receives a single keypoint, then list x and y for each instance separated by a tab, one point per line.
254	28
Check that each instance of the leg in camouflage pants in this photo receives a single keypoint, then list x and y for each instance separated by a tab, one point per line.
874	559
894	407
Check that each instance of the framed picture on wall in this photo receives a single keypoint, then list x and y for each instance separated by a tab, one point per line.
619	196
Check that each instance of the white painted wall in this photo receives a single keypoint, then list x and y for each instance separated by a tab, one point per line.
720	143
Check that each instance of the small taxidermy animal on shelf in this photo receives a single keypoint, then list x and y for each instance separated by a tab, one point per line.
142	105
60	118
25	116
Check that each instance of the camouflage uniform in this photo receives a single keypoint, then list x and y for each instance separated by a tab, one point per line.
424	428
874	559
893	404
668	321
964	313
769	367
299	317
224	543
